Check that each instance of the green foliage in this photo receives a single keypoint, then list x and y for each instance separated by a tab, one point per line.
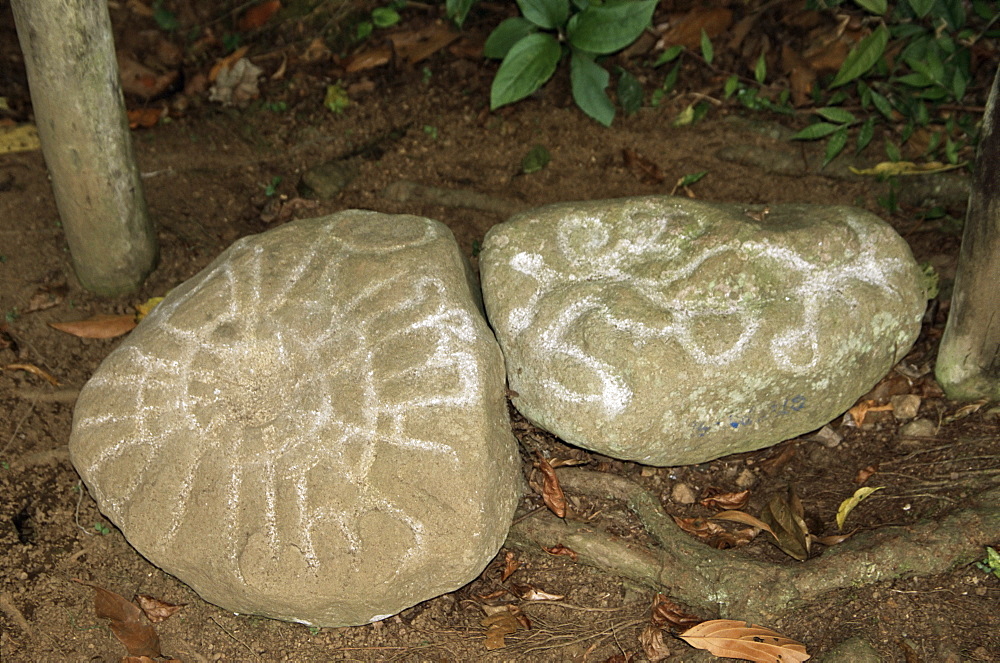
992	562
931	43
458	10
381	17
271	187
165	19
532	45
536	159
101	528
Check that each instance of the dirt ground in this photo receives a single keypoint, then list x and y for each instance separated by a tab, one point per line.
207	174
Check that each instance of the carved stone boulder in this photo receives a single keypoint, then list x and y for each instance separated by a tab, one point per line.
671	331
314	428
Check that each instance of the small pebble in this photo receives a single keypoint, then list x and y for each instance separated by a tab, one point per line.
918	428
682	494
905	406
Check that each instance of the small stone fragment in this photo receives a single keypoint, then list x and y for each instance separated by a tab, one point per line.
670	331
918	428
681	493
905	406
314	428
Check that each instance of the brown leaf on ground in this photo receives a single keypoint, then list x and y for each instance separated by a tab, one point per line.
653	645
47	297
497	628
785	516
667	613
144	118
644	169
98	326
735	639
128	623
156	610
140	81
530	593
510	564
727	501
712	534
258	15
860	411
562	550
865	473
552	492
410	46
785	454
227	62
685	30
31	368
744	518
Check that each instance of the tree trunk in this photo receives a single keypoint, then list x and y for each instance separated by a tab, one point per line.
968	363
75	91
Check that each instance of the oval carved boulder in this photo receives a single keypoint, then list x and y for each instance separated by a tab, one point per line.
314	428
670	331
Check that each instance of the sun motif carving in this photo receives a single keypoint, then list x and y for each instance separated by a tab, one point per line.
263	386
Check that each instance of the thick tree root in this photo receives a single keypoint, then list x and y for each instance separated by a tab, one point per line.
725	584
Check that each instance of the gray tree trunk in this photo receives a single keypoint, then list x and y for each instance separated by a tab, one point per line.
968	363
75	91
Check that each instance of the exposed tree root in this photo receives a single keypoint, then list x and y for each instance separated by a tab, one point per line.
726	584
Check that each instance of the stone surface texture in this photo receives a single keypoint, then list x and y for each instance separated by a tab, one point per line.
313	428
670	331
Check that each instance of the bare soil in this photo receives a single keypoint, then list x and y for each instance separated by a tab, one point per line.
206	173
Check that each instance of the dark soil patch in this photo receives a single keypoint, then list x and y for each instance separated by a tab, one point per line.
205	174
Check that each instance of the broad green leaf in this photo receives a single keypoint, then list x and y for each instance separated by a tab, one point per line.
838	115
669	55
529	63
865	134
848	505
882	104
610	27
707	51
818	130
548	14
589	80
691	178
862	57
670	80
760	70
629	91
732	84
385	17
504	36
958	84
915	79
876	7
951	151
892	151
457	10
537	158
921	7
834	146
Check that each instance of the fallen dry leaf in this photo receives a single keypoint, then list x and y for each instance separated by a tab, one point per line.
227	62
685	30
128	623
560	549
735	639
644	169
258	15
510	564
530	593
665	612
727	501
156	610
865	473
653	644
47	297
552	492
497	628
98	326
144	118
31	368
861	410
744	518
964	411
140	81
848	505
785	516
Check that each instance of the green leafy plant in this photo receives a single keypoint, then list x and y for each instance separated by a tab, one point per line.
271	187
992	562
381	17
102	529
532	45
165	19
931	43
431	131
